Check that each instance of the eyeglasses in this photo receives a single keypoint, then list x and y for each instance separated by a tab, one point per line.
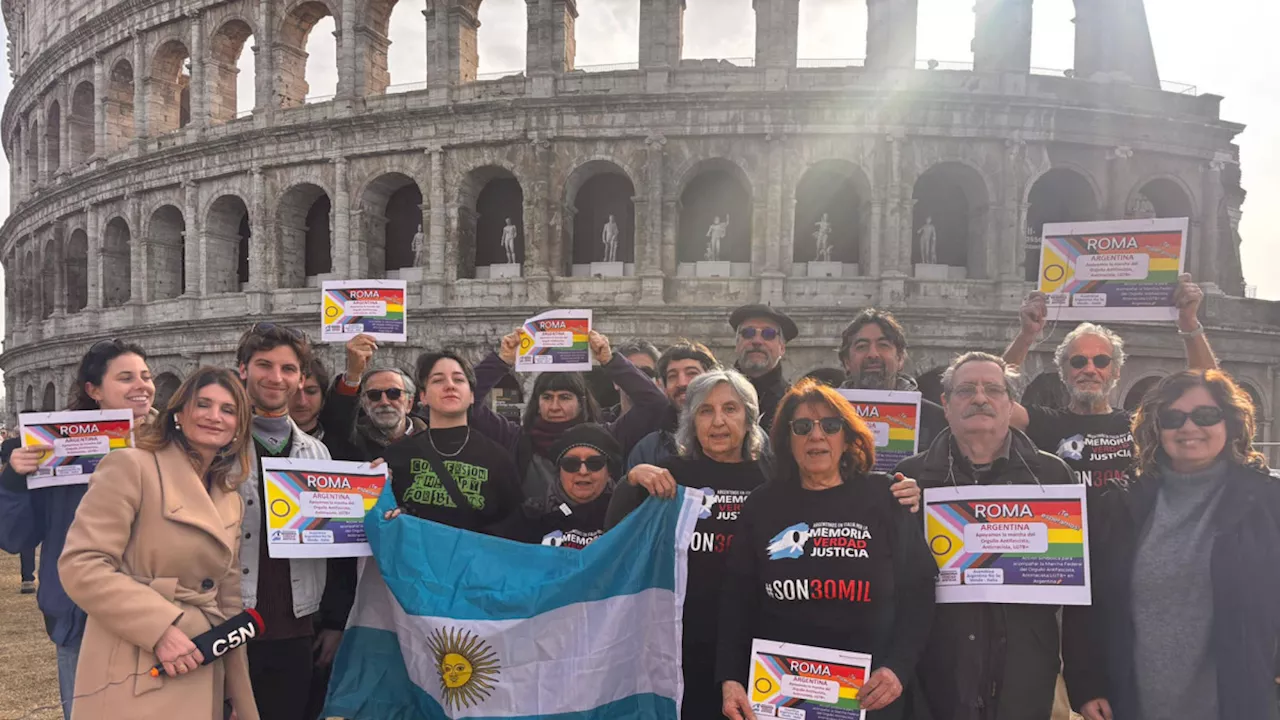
968	391
263	328
749	333
1099	361
1203	416
393	394
595	463
829	425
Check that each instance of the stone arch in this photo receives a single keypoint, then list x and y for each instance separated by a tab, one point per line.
227	232
29	399
53	138
1164	196
304	245
77	269
488	198
714	189
33	153
18	153
116	265
840	191
955	197
169	88
1047	390
166	252
386	66
49	400
167	383
30	307
296	25
1133	397
50	265
1259	409
595	191
119	106
80	124
1060	195
225	50
391	210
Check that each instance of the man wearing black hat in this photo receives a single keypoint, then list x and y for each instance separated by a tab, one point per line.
763	334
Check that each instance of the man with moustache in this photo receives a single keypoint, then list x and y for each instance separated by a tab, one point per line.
677	367
987	660
873	350
286	593
1096	441
762	337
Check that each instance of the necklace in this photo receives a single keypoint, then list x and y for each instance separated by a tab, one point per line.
449	455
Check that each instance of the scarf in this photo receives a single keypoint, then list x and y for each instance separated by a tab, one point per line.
272	432
544	434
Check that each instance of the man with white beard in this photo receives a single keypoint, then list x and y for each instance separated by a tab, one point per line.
1096	441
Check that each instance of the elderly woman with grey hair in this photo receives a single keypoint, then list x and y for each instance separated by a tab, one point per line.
721	449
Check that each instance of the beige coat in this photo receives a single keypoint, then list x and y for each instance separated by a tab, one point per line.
149	548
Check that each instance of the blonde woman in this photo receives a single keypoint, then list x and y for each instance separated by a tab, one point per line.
152	558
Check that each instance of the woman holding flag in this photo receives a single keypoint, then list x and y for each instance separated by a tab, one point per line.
824	557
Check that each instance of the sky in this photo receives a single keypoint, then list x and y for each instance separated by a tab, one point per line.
1226	51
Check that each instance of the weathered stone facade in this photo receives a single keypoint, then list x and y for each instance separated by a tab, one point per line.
144	208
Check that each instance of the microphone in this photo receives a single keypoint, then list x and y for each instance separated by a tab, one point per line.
220	640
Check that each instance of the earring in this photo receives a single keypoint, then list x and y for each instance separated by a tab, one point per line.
177	425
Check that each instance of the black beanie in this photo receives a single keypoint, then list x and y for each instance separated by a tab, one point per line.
591	435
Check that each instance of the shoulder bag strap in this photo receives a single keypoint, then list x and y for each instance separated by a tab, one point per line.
450	485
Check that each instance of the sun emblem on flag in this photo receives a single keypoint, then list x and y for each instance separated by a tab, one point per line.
468	666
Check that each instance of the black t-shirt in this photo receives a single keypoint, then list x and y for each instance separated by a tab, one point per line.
844	568
573	527
482	469
1097	448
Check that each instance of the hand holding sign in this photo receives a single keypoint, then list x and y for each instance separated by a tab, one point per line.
1034	313
559	341
1187	298
600	349
510	347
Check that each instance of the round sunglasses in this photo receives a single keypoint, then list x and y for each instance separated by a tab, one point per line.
392	394
1203	416
749	333
1099	361
829	425
595	463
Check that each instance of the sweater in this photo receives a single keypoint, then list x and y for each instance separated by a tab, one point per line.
1172	599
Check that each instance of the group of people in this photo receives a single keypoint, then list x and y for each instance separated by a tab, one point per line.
799	539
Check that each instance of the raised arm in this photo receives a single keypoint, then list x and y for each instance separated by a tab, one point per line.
489	373
1031	319
341	401
91	562
1187	298
648	403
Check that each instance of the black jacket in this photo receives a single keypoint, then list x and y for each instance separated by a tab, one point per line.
989	661
770	387
1245	565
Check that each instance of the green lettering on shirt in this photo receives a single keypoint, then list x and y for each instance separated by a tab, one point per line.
428	490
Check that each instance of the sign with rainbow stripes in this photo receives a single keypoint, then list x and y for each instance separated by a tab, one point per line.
316	508
799	682
555	341
1009	543
893	417
363	307
77	440
1122	270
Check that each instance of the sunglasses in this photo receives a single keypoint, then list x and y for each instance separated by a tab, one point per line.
265	328
376	395
829	425
105	345
1203	416
595	463
1099	361
749	333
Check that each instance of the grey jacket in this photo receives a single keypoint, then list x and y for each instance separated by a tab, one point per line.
308	575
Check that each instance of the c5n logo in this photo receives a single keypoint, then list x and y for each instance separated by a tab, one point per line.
428	490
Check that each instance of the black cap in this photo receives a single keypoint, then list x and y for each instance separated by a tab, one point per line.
590	435
746	312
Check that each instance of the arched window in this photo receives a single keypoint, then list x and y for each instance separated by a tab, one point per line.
119	106
490	224
166	252
950	222
306	55
169	89
715	208
77	271
601	217
305	235
116	274
392	215
832	217
231	56
227	232
80	124
1061	195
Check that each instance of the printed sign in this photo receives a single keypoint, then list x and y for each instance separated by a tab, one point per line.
555	341
369	307
799	682
1009	543
1122	270
79	439
316	508
893	417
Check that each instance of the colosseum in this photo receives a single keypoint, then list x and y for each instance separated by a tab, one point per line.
146	207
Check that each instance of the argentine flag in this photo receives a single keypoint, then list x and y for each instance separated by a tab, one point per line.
453	624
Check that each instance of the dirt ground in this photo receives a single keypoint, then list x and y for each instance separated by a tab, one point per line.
28	663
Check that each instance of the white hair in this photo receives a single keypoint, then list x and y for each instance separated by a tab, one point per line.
1060	357
699	389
